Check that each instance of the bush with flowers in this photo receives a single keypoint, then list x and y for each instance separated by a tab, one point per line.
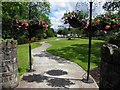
102	24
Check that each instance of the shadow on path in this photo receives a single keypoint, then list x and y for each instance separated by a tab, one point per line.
50	56
60	82
35	78
56	72
50	81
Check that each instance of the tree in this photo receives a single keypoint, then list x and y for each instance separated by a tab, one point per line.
111	6
60	31
79	32
50	33
65	31
40	10
19	11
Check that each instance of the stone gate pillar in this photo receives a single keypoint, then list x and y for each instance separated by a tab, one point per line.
8	64
110	67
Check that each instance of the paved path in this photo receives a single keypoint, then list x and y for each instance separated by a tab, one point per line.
53	72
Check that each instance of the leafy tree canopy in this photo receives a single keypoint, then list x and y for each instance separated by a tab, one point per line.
111	6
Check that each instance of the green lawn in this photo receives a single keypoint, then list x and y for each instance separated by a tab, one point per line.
76	50
23	56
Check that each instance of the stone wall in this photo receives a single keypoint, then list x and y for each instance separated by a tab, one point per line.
110	67
8	64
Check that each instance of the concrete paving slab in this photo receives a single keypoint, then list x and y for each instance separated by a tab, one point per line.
53	72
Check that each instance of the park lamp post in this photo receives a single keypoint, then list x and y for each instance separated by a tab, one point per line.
88	79
29	36
31	4
90	38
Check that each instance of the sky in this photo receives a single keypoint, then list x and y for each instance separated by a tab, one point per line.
59	7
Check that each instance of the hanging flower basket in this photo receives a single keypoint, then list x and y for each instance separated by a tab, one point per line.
103	23
32	27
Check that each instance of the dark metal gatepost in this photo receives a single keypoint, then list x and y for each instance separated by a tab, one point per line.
29	31
90	37
88	79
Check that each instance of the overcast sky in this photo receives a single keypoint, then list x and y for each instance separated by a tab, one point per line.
59	7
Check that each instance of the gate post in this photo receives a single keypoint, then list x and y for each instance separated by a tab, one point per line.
8	64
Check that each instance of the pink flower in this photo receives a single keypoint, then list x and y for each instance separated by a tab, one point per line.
46	28
107	27
19	26
25	23
40	21
45	25
101	31
97	21
26	28
66	20
17	21
85	27
118	23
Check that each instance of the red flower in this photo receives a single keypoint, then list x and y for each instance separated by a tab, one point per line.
107	27
97	21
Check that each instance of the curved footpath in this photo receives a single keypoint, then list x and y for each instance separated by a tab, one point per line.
53	72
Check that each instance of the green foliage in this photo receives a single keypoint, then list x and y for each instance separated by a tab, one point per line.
40	10
111	6
13	10
60	32
0	10
113	38
22	40
50	33
80	14
65	31
1	39
23	11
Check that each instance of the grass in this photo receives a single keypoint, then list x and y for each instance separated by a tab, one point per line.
76	50
23	56
1	39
